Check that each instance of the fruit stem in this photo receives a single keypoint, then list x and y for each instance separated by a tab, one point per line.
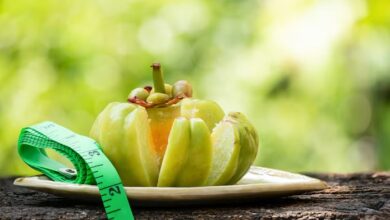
158	80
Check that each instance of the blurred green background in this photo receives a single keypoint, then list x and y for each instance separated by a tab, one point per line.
313	76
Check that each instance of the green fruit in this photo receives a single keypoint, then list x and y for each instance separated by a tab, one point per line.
123	132
177	141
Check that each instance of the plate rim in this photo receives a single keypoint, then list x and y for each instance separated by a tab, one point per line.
181	193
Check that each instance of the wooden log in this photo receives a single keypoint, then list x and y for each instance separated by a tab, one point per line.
351	196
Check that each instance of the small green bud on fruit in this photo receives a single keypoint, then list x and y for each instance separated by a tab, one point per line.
139	93
157	98
168	90
182	88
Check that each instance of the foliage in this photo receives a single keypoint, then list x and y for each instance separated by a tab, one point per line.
314	76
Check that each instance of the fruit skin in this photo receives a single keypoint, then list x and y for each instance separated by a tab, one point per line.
123	132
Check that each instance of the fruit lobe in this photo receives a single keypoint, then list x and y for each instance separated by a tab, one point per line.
123	132
225	139
249	144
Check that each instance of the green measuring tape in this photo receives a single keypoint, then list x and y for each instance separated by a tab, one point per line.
91	165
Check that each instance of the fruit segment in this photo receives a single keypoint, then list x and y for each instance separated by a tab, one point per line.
248	142
226	150
197	167
235	147
122	130
187	161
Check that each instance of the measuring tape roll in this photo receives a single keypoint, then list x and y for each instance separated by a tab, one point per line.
91	165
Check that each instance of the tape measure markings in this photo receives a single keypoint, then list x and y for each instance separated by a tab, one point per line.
91	165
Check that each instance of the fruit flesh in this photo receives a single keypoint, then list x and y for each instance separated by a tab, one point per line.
226	152
160	122
235	148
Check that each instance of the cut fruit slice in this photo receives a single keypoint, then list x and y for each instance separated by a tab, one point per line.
176	152
235	145
226	144
248	142
188	157
197	167
123	132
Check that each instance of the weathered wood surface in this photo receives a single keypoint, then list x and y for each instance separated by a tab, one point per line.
352	196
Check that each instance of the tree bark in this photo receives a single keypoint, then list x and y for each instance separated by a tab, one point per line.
350	196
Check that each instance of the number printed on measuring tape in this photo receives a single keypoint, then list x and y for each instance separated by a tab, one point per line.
93	152
90	163
114	190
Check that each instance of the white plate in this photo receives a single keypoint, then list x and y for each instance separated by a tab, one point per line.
256	184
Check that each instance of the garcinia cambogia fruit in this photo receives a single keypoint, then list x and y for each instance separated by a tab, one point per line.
164	137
